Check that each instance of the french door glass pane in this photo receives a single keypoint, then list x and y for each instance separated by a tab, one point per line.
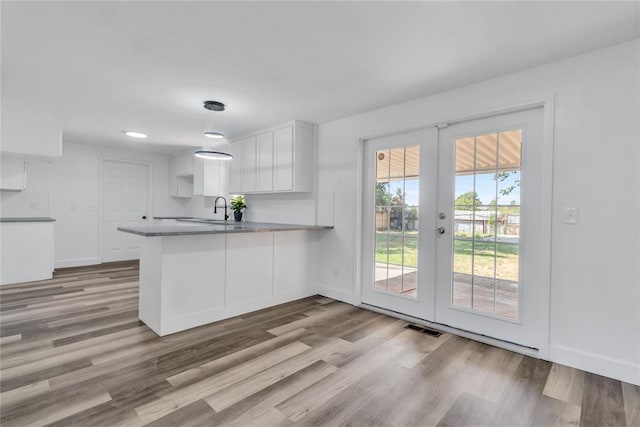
487	223
396	220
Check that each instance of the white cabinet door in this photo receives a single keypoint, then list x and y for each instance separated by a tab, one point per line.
283	159
249	272
184	164
235	168
264	152
26	251
13	174
249	165
210	177
292	261
184	186
181	176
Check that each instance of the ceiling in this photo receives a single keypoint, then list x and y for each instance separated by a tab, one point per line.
103	67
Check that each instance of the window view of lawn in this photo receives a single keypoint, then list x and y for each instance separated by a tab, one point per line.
506	255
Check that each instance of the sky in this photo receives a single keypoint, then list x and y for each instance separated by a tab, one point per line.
485	187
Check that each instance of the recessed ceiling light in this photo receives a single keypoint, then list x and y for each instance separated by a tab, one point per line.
214	135
133	134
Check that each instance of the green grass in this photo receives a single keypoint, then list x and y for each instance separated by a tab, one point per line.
483	255
395	249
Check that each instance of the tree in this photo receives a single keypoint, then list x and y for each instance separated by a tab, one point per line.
503	176
466	201
383	197
398	198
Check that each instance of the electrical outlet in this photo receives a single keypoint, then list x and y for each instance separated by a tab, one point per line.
34	205
74	206
570	216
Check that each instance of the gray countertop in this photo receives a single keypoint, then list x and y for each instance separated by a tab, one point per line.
28	219
192	226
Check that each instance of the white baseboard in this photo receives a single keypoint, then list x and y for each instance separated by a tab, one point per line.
596	363
333	293
76	262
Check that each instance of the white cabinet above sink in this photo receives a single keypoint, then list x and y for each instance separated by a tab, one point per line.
181	175
210	177
276	160
194	176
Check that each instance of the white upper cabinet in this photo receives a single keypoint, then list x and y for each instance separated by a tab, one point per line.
14	174
283	159
264	154
235	168
183	165
277	160
193	176
210	177
181	175
249	165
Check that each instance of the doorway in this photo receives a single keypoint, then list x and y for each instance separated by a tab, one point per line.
124	203
452	220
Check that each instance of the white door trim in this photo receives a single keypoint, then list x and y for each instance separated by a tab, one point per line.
547	104
101	160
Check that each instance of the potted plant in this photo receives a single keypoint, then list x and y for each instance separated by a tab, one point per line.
238	204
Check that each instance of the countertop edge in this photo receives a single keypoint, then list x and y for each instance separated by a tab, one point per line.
27	219
186	232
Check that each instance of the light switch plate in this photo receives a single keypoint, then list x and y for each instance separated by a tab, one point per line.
570	215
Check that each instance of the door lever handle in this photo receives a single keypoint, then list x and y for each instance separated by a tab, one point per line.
440	230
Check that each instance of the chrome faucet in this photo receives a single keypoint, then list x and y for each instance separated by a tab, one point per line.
215	207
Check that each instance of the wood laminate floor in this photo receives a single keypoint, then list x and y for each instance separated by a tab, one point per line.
74	353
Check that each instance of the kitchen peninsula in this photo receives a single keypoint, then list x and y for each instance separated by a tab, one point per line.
197	271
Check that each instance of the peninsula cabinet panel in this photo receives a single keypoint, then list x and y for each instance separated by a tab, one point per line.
188	280
291	261
249	267
202	292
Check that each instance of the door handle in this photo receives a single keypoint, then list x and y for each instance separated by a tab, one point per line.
440	230
144	217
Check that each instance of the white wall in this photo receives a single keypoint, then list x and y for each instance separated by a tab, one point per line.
66	189
298	208
26	132
595	278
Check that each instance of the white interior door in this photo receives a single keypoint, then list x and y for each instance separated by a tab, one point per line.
490	271
453	226
124	203
399	198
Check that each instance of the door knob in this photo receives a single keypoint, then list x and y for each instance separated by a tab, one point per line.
144	217
440	230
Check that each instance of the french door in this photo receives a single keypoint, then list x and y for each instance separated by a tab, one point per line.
398	242
452	226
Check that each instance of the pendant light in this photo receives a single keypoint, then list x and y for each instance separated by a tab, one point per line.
217	132
213	155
